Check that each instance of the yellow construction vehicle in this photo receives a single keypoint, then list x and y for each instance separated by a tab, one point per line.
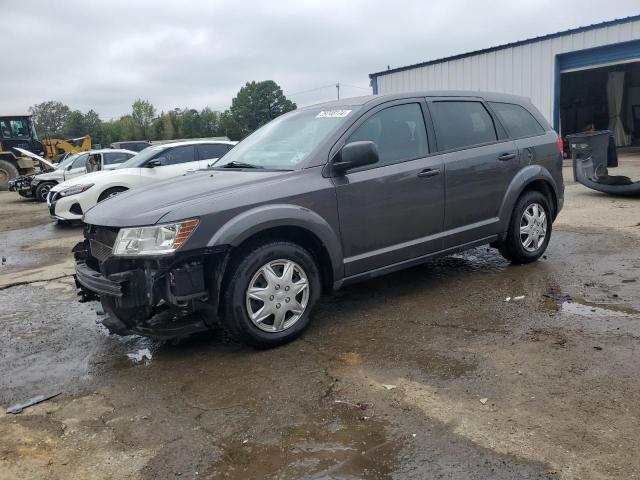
18	131
54	147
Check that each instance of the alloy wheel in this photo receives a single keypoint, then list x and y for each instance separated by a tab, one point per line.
277	295
533	227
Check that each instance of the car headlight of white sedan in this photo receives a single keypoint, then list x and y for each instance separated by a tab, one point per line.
154	240
74	190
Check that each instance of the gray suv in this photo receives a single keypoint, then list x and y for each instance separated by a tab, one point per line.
319	198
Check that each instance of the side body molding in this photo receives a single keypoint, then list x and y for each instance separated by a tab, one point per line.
524	177
264	217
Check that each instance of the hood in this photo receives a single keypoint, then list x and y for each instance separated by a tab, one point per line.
35	157
57	174
148	205
92	177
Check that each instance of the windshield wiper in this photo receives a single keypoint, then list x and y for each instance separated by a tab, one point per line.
235	164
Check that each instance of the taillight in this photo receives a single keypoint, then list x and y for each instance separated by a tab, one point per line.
560	144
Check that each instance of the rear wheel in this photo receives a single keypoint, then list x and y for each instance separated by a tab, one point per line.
271	291
110	192
8	171
529	229
42	190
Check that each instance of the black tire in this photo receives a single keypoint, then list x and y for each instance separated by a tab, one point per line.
42	190
246	264
109	192
512	248
8	171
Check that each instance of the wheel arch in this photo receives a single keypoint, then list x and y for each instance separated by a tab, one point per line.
286	222
531	178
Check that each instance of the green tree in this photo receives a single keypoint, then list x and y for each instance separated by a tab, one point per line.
74	125
255	104
142	114
93	126
50	117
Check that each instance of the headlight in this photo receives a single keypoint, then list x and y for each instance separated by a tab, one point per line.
154	240
74	190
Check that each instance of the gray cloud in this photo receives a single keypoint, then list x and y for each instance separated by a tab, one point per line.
105	54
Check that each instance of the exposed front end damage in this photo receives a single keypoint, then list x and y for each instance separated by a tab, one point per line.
165	296
22	185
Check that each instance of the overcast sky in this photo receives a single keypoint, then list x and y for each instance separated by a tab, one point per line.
104	55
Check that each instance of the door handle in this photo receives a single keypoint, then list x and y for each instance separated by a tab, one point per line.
429	172
506	156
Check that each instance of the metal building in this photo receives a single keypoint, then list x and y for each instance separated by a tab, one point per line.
580	79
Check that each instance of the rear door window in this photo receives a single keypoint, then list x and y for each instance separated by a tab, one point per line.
208	151
116	157
177	155
462	124
517	120
398	132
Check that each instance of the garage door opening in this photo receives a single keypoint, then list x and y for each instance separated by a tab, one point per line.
605	98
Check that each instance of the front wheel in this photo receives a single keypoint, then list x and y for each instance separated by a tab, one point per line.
111	192
529	229
270	292
42	191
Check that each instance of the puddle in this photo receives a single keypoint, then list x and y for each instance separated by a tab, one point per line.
587	309
334	443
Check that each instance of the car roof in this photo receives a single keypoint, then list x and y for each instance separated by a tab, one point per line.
111	150
193	142
371	100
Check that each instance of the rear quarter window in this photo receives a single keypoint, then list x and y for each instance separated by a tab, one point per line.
517	120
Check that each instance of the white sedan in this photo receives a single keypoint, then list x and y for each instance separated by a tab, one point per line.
69	200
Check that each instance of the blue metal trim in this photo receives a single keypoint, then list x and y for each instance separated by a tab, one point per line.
615	52
556	96
594	26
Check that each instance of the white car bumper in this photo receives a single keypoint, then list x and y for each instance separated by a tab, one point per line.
64	208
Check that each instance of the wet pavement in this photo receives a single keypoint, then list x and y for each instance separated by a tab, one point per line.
426	373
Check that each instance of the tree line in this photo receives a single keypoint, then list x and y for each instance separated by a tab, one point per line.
255	104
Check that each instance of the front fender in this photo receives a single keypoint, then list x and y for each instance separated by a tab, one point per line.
264	217
518	184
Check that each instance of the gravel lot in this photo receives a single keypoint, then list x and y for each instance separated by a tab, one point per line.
426	373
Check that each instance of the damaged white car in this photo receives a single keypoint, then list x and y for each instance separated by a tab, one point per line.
69	200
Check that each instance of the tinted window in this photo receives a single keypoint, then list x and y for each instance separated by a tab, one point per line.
116	157
462	124
517	120
399	133
177	155
210	151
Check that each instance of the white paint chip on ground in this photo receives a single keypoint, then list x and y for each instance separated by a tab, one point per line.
484	400
140	355
389	387
520	297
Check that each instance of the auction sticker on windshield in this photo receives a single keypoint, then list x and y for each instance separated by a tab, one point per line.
333	113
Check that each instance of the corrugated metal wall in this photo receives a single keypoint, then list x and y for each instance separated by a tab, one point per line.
527	69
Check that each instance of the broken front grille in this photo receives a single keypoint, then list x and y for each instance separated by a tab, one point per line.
99	250
101	240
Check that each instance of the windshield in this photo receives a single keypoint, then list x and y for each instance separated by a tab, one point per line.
67	161
140	159
284	143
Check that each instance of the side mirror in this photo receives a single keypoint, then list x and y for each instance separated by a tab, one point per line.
156	162
356	154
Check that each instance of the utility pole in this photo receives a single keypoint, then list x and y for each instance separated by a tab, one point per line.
338	89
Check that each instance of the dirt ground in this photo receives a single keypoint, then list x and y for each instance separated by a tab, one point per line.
426	373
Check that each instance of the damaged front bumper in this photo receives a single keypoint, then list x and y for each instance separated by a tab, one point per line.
163	297
22	184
